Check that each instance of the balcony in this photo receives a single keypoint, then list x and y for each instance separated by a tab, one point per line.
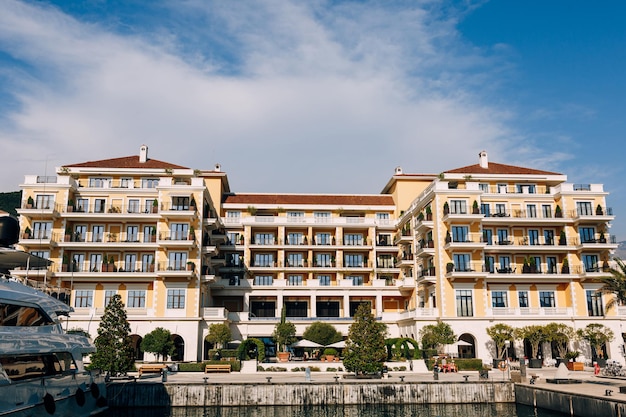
465	270
529	311
470	241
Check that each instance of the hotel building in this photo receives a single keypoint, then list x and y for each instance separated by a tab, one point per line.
472	246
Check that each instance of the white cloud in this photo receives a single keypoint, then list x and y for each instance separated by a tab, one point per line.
325	99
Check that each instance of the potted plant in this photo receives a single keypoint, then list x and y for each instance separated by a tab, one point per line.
560	335
532	265
191	233
597	335
191	266
562	238
557	212
420	216
241	240
448	237
330	354
535	335
526	266
27	233
155	205
565	267
571	363
500	334
151	266
284	334
153	234
68	234
602	238
449	267
475	209
70	206
66	262
429	213
599	211
192	204
30	202
446	208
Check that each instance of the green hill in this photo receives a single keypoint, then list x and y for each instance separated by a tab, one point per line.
9	202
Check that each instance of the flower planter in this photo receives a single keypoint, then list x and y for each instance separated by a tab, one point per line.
283	356
535	363
575	366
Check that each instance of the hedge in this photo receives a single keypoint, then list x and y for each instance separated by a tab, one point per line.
235	366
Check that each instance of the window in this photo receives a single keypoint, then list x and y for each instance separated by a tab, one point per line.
551	264
460	234
357	280
531	210
546	211
177	261
353	261
133	206
95	262
322	216
498	299
97	232
464	304
322	259
384	240
537	260
233	216
294	259
484	187
42	230
533	237
295	238
462	262
295	216
41	253
594	303
490	262
126	182
149	182
263	259
548	237
136	299
147	262
526	188
262	309
180	203
353	239
83	298
44	201
523	299
327	308
296	308
485	209
385	261
176	298
147	233
382	218
322	239
458	207
503	237
179	231
591	263
233	238
584	208
82	205
587	234
505	264
354	305
263	238
502	188
488	236
546	299
324	280
294	280
97	182
264	280
130	262
500	209
99	205
108	295
132	233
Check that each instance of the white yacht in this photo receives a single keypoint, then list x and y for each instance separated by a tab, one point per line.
41	367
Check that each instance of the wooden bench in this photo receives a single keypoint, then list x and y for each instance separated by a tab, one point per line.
211	367
147	368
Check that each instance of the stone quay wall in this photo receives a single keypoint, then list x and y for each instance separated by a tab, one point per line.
130	394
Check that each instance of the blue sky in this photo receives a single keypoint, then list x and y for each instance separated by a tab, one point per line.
316	96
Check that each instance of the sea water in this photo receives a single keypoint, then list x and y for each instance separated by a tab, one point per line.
369	410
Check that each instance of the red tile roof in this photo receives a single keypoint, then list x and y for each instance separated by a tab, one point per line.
495	168
126	162
310	199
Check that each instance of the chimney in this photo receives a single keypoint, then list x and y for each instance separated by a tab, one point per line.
143	154
484	161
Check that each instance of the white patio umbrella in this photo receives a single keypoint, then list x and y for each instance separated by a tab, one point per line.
304	343
339	345
453	348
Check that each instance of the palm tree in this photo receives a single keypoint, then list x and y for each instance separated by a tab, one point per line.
615	285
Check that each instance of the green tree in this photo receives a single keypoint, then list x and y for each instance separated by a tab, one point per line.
535	334
500	333
284	332
159	341
615	285
365	348
434	336
597	335
219	334
322	333
561	334
114	350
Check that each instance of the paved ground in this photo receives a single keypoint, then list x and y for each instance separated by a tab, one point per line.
591	385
